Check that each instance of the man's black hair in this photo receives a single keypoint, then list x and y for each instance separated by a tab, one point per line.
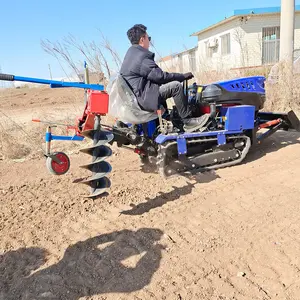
136	32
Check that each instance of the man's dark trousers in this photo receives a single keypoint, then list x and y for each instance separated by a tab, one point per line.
175	89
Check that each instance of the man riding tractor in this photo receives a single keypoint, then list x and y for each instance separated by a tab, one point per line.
152	86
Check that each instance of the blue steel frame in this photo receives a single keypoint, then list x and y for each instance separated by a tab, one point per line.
181	139
237	119
50	137
60	84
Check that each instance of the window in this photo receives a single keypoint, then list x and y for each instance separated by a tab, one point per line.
225	44
192	60
270	44
208	50
271	33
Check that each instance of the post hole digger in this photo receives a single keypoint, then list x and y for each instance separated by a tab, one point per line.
235	121
86	126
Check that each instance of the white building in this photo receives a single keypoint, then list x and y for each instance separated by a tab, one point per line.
249	38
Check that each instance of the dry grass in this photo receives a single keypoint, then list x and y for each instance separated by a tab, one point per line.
11	147
281	96
19	141
102	59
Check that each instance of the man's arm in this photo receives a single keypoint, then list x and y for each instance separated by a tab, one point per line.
154	73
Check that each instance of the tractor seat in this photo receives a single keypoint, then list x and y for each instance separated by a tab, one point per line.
123	104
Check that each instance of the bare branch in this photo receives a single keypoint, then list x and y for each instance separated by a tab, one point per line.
100	63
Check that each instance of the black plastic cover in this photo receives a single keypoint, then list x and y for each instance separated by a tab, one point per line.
7	77
211	93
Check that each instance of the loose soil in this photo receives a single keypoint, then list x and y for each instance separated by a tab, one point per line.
229	234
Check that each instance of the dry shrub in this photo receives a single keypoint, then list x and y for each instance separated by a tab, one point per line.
282	89
11	147
282	94
103	60
207	77
256	71
19	140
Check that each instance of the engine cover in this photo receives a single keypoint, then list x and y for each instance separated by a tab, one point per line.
242	91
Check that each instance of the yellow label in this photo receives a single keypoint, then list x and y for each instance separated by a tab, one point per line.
199	90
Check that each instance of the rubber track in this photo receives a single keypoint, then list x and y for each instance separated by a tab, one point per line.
163	148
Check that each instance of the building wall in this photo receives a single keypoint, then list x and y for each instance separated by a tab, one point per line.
181	62
169	63
245	46
297	34
251	30
246	41
212	58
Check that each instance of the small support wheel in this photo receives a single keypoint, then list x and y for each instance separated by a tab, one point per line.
58	168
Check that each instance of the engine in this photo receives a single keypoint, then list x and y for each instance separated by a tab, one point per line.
210	98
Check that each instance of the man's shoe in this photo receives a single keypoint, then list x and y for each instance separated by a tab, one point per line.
194	124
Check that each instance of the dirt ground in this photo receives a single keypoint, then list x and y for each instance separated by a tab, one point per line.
229	234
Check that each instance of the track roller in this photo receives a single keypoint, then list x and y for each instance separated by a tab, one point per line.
98	182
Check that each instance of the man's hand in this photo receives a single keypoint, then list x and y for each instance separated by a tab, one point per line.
188	76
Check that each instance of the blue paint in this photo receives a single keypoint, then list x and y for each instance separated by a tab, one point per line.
163	138
151	127
181	146
139	130
252	84
221	139
60	84
49	137
239	117
262	10
67	138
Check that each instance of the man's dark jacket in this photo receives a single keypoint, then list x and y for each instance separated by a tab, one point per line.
145	77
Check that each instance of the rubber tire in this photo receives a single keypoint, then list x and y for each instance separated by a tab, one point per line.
50	161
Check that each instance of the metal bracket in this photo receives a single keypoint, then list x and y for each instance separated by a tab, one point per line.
221	139
54	158
181	145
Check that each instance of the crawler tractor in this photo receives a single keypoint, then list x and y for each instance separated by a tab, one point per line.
236	118
235	113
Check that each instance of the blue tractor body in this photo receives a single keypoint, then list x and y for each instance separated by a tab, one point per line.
235	119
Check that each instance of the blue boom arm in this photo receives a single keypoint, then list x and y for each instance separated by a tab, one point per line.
52	83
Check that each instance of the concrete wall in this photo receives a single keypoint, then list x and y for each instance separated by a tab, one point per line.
245	45
181	62
252	31
215	60
246	41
